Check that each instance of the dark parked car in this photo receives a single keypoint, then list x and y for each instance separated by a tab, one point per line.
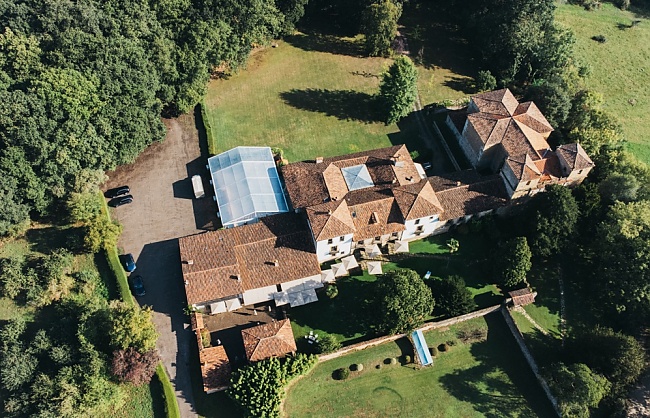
117	192
128	262
137	285
119	201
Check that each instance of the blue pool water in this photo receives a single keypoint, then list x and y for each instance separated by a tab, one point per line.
421	348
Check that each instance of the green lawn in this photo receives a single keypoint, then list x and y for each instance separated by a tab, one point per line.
620	68
446	69
487	378
311	96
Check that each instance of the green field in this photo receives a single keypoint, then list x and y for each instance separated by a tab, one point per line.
484	378
620	69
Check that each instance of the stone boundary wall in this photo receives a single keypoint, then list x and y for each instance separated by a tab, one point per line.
529	358
426	327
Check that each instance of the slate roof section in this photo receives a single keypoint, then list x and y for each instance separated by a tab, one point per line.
417	200
330	220
215	368
465	194
575	156
231	261
274	339
310	183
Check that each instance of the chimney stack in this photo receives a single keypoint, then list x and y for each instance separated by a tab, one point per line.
319	160
458	183
238	278
276	263
189	262
329	212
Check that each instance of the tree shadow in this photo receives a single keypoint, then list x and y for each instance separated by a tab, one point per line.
341	104
319	42
44	240
463	84
502	384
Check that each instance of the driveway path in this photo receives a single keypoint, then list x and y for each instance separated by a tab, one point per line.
163	210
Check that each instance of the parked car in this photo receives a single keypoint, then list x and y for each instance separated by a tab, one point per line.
119	201
117	192
426	165
128	262
137	284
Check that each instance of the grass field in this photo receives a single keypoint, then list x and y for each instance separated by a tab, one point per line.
311	96
620	69
487	378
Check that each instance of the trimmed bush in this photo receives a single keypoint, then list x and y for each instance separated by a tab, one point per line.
326	343
443	347
359	367
341	374
393	360
378	366
433	351
407	359
331	291
205	338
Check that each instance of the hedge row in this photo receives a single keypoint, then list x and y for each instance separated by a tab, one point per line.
209	133
112	256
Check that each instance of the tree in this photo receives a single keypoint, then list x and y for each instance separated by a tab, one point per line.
327	343
379	25
83	207
485	81
512	262
452	296
398	89
101	233
132	366
402	301
553	99
131	326
553	216
618	357
258	389
293	11
14	213
619	186
579	389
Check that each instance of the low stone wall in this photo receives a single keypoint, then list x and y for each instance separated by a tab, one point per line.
529	358
426	327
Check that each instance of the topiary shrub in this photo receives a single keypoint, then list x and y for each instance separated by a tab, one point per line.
341	374
393	360
331	291
433	351
356	367
443	347
407	359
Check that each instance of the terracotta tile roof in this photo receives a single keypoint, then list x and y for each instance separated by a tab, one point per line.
331	219
374	212
196	320
575	156
454	179
274	339
417	200
524	167
309	183
519	127
215	368
247	252
470	197
549	167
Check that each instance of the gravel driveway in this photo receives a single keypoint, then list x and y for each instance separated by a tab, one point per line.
163	210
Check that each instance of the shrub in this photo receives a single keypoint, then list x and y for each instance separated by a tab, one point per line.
393	360
485	81
131	366
623	4
327	343
341	374
357	367
331	291
443	347
407	359
378	366
206	340
414	154
433	351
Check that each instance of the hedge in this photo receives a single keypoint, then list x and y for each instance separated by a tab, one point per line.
209	133
171	406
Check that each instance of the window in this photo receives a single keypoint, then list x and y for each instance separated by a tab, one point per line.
377	238
394	234
330	241
360	242
417	221
419	228
334	249
341	239
580	172
528	183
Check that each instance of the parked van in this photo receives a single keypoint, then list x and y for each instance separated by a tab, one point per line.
197	185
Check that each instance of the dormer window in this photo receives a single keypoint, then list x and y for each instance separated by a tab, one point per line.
341	239
330	241
417	222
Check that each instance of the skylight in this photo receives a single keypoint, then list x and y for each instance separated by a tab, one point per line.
357	177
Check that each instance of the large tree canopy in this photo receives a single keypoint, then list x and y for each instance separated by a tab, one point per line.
398	89
402	301
83	84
